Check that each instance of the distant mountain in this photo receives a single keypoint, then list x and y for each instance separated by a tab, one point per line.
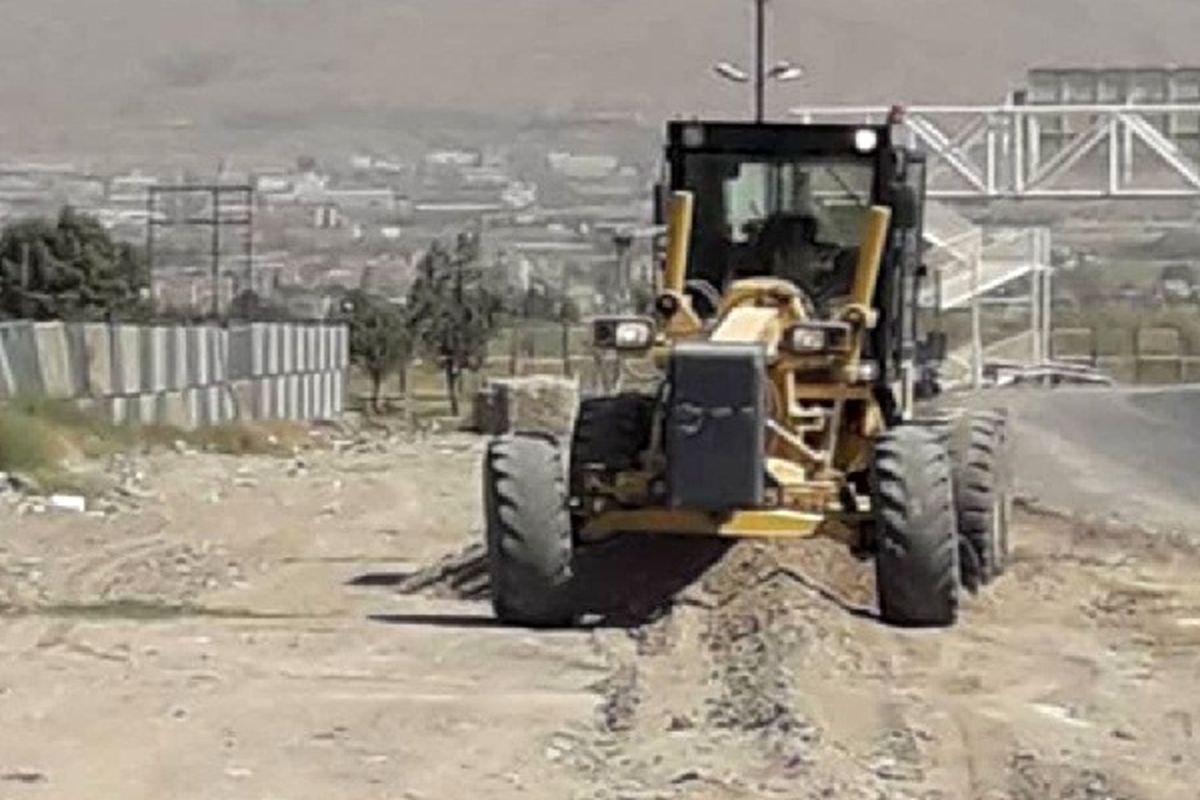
122	75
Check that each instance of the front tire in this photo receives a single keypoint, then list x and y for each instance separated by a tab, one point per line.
529	541
916	563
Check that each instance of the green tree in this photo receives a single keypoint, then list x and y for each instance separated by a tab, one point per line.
69	268
380	337
452	311
250	305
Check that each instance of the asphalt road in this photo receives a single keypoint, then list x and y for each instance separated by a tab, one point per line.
1130	454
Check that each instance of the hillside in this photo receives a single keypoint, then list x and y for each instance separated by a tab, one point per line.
121	75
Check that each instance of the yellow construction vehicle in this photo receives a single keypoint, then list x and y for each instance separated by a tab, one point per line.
787	336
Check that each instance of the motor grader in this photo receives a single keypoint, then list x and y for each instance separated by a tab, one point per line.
787	339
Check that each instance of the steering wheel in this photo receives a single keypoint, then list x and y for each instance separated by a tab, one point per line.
705	297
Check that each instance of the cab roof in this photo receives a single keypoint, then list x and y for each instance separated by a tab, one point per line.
769	138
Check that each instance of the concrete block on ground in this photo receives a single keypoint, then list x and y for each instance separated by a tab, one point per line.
77	357
329	334
301	337
1115	341
343	347
8	383
91	405
218	355
172	409
260	341
274	348
20	350
146	409
216	404
126	351
318	396
1069	342
1159	342
155	372
339	393
261	401
287	355
54	361
191	397
178	364
292	409
1122	369
310	395
314	348
322	334
199	357
204	405
241	399
226	410
279	397
537	404
97	355
305	404
239	354
115	409
1160	369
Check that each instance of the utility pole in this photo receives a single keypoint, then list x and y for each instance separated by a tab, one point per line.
216	253
760	60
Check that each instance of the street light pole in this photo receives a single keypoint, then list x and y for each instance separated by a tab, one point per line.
781	71
760	59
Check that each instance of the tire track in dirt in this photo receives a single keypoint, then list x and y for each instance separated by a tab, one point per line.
765	675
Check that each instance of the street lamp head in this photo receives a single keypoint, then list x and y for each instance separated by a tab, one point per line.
786	71
732	72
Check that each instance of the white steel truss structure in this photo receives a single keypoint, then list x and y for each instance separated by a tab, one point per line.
1067	152
969	264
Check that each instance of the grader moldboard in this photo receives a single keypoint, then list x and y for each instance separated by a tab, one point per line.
787	333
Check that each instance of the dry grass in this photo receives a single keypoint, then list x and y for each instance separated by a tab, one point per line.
46	441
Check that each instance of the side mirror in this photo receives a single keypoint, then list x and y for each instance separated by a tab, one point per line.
906	207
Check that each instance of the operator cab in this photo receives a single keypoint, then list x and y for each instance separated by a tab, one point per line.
784	201
791	201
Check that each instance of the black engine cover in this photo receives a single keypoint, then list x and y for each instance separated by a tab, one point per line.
715	440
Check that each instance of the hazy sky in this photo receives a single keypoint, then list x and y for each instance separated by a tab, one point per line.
67	66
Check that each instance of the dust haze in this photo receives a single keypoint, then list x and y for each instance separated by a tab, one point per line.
258	76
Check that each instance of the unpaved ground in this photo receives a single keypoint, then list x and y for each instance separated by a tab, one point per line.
262	628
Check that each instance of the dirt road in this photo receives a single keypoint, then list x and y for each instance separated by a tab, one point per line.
1129	454
313	628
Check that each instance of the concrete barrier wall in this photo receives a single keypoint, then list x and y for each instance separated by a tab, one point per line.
186	376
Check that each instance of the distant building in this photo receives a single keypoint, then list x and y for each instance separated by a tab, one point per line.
454	158
519	195
378	198
327	215
583	167
1148	85
130	189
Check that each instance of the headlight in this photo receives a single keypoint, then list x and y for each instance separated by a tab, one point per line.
806	340
865	140
816	337
623	334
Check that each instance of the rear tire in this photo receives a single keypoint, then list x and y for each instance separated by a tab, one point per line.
916	563
529	539
610	434
978	450
612	431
